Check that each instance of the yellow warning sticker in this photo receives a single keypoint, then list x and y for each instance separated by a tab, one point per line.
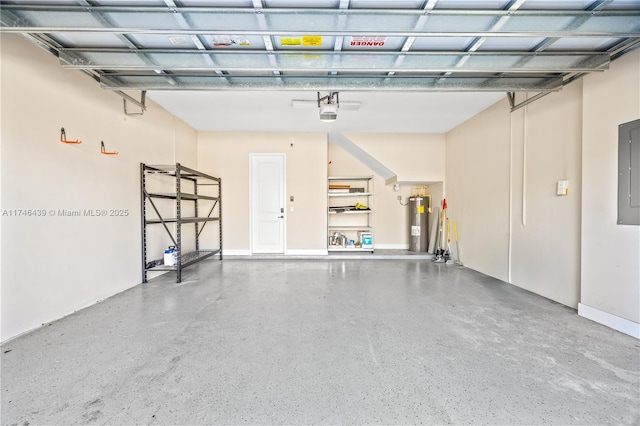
420	209
290	41
312	40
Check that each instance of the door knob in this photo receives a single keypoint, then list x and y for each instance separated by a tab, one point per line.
280	217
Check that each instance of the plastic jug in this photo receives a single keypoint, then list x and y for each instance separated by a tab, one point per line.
170	256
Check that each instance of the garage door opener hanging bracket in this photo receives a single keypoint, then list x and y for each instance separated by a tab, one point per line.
142	103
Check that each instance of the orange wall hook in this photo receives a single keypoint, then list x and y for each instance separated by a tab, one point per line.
103	151
63	138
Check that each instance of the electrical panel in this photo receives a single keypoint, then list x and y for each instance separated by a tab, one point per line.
629	173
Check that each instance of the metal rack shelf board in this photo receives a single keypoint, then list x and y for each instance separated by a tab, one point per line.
184	172
183	196
182	219
186	260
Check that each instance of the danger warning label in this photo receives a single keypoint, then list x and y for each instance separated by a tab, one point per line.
367	41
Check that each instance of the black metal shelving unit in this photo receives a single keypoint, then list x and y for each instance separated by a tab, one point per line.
196	179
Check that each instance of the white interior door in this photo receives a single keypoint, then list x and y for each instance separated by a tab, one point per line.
267	203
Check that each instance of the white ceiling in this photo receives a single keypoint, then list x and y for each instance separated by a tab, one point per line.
272	111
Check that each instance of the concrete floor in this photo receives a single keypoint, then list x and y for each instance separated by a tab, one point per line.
322	342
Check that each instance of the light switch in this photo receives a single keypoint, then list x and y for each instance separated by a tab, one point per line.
563	187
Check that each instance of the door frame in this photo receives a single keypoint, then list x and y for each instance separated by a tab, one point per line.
284	196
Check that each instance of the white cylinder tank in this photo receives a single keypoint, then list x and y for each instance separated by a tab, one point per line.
418	224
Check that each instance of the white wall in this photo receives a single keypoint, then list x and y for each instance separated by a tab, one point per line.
52	265
502	170
610	252
545	240
477	189
226	155
413	157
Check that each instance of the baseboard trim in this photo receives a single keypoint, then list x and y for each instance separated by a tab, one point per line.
306	252
612	321
226	252
292	252
391	246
